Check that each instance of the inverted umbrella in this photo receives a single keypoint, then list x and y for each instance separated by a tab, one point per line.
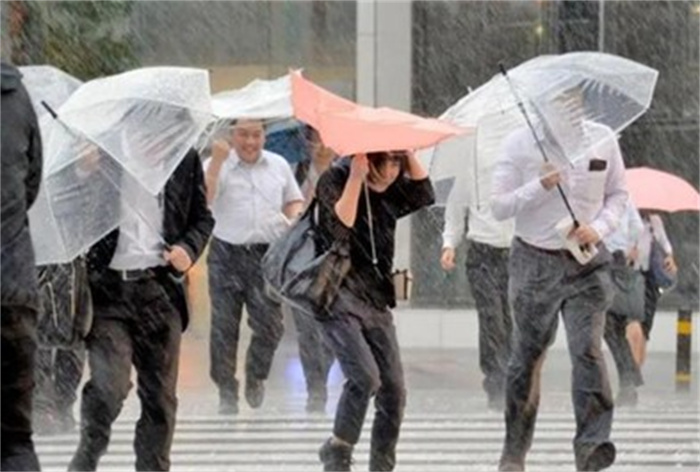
349	128
117	141
574	101
652	189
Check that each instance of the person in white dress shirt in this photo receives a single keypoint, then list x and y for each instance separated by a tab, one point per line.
546	280
254	197
487	271
654	233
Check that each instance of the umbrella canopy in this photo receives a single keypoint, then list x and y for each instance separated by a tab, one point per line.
575	101
116	141
289	140
48	84
262	99
349	128
652	189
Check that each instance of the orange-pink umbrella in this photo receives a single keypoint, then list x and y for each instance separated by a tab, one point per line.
349	128
652	189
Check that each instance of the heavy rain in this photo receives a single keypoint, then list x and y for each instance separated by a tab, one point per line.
348	235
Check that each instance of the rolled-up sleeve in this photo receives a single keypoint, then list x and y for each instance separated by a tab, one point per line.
455	212
292	192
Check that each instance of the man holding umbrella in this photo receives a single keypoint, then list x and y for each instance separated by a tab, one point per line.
140	311
545	279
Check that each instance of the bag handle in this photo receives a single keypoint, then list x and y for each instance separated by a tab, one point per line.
372	243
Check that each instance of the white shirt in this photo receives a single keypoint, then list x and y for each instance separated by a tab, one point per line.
140	244
250	198
483	227
653	229
598	197
628	232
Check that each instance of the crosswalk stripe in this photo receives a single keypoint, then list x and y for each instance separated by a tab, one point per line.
428	442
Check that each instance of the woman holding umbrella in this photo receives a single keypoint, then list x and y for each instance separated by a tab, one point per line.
359	325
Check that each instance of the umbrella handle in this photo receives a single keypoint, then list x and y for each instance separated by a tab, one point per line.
522	109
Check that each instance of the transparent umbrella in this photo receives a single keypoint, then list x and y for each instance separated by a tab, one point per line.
574	102
116	141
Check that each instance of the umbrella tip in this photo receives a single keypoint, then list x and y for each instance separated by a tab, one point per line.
502	68
49	109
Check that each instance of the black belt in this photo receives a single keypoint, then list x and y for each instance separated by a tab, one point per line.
252	247
132	275
551	252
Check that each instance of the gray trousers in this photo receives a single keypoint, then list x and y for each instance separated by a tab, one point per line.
315	352
487	271
235	279
364	341
142	329
542	284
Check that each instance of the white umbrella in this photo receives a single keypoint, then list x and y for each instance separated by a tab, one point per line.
613	92
262	99
127	131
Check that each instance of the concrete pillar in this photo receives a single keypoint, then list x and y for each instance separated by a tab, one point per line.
384	73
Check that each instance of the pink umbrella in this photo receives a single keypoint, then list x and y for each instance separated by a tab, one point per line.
349	128
652	189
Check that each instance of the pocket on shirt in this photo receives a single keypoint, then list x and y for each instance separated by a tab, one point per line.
590	183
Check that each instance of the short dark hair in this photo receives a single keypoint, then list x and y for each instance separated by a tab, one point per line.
378	159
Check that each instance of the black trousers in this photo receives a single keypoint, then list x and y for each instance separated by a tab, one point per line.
142	328
364	341
487	272
58	374
235	280
18	350
315	352
651	298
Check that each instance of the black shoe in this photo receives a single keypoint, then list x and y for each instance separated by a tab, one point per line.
335	457
228	403
254	392
82	461
382	461
627	397
596	458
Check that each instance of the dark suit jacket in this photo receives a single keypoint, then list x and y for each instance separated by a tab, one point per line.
21	176
187	223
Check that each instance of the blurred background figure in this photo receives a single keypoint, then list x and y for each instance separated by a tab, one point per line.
487	271
626	314
64	321
21	178
314	352
659	268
